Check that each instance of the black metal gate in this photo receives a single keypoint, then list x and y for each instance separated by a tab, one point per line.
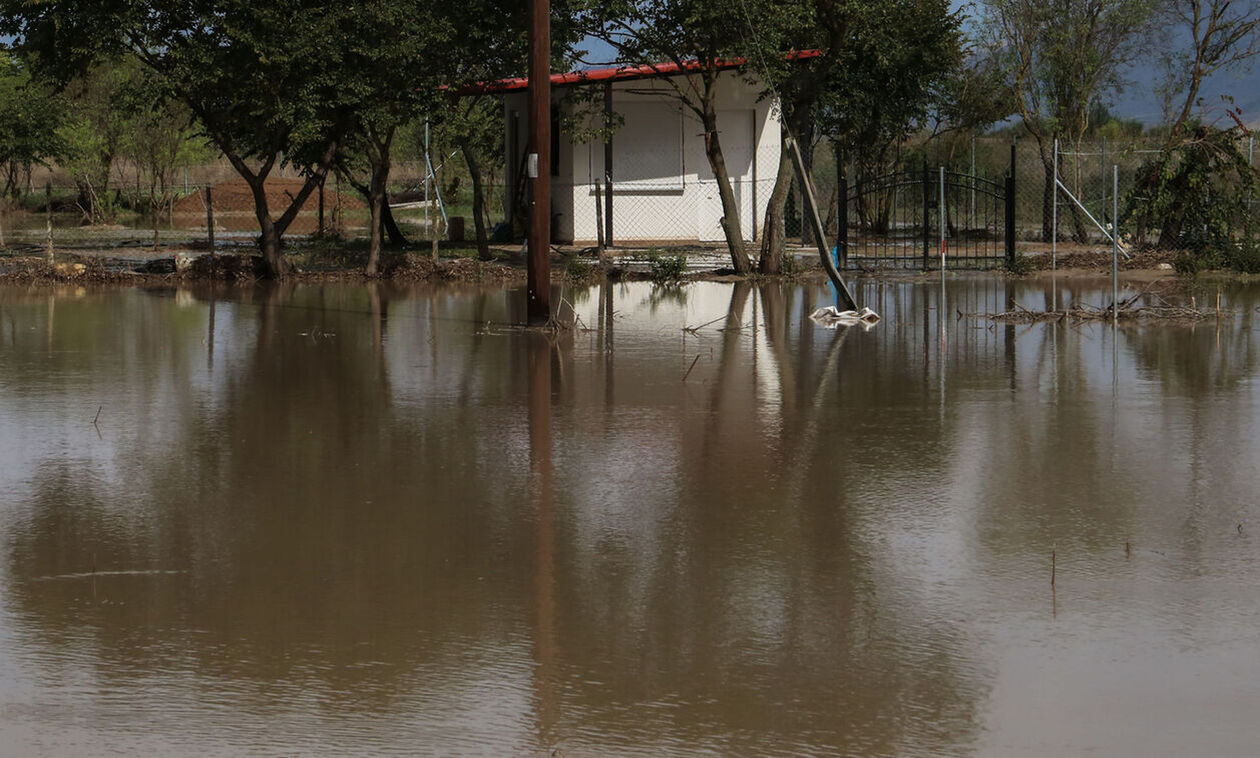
895	220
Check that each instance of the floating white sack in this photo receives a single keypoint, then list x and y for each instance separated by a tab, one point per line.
831	317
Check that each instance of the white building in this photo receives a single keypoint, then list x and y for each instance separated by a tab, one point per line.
662	187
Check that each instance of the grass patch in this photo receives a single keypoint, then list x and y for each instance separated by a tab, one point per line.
666	268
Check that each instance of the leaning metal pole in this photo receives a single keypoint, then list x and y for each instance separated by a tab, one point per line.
820	236
538	165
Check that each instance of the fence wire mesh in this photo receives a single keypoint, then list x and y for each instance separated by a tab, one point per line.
133	211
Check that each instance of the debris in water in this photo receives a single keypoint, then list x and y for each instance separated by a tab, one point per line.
832	317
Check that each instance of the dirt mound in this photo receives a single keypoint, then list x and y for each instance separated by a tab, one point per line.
38	271
1141	258
235	196
421	268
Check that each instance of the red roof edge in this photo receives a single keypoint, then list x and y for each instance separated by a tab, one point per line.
614	73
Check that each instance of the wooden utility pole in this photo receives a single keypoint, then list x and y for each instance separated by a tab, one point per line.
538	164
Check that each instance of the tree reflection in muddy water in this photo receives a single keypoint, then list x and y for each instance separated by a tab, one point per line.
334	519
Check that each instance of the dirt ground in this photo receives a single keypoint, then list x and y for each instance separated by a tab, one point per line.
312	262
235	196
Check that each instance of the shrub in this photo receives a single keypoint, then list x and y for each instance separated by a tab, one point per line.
577	269
1187	263
1244	257
1195	193
666	268
1021	266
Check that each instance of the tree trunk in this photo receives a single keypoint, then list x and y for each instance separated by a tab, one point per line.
378	155
730	209
390	226
273	230
479	199
773	236
1047	198
274	264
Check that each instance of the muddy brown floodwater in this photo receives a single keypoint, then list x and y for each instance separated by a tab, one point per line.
347	520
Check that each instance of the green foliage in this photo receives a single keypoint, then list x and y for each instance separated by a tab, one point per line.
666	268
1188	264
1195	194
1244	257
30	115
577	269
1103	123
1021	266
884	65
791	266
1061	59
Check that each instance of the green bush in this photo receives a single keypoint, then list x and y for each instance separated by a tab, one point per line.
666	268
1195	194
1187	263
1245	257
1021	266
577	269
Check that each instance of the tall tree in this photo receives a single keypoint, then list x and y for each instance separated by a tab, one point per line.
31	117
872	81
400	57
700	37
266	81
1060	58
100	113
1196	190
1218	35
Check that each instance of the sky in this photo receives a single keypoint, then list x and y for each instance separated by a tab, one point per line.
1138	100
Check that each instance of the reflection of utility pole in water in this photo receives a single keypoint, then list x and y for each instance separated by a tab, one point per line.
52	312
942	319
210	335
539	366
379	307
606	339
1008	337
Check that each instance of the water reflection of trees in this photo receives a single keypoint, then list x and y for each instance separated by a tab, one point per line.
328	512
359	497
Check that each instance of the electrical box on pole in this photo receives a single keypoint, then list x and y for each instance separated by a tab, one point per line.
538	264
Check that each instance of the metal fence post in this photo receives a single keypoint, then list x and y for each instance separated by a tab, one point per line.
1102	169
927	218
971	211
599	218
940	217
48	217
1115	245
1010	212
1054	213
210	221
842	220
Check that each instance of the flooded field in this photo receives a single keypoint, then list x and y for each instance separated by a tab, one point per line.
345	520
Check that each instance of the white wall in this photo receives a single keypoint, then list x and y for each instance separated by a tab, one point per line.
663	188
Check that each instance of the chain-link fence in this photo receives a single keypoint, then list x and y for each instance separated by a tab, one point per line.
213	205
1085	170
135	212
